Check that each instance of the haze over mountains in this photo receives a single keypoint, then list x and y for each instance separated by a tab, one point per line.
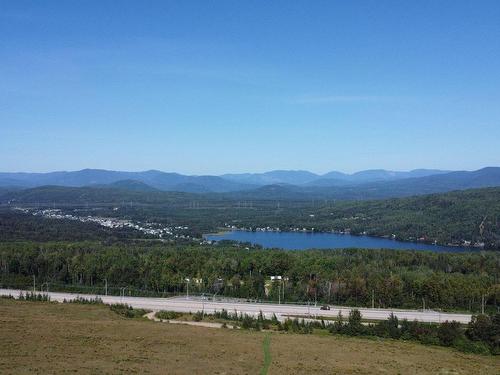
280	184
328	179
224	183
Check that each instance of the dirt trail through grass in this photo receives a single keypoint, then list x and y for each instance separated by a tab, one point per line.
266	345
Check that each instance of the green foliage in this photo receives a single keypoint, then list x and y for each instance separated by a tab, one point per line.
267	355
127	311
447	218
485	329
168	315
388	328
85	301
398	279
481	335
198	316
453	217
35	297
354	325
16	226
448	333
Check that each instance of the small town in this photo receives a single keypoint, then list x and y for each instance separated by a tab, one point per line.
152	229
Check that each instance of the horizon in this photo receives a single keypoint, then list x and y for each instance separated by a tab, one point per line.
207	89
259	172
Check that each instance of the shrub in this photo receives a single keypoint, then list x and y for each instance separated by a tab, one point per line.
127	311
485	329
448	333
387	328
36	297
338	325
467	346
167	315
247	322
85	301
198	317
354	325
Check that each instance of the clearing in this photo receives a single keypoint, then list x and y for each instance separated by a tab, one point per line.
42	337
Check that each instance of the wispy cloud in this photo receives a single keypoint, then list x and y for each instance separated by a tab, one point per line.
341	99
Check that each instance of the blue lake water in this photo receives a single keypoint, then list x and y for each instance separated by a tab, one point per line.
304	240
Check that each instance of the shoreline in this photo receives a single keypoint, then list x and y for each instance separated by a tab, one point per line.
438	246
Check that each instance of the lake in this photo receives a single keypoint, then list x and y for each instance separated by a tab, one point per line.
306	240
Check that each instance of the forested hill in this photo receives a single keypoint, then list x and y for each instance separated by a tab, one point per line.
92	195
470	215
461	218
275	185
382	189
448	218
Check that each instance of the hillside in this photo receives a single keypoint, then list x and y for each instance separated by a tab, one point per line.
343	190
92	195
279	184
448	218
156	179
452	217
71	331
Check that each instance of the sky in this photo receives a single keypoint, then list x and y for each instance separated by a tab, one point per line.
212	87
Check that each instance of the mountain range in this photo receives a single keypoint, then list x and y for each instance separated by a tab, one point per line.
279	184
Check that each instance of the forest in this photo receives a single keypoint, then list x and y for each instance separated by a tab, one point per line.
457	218
76	256
354	277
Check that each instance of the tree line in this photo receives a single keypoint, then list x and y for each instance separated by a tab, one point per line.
380	278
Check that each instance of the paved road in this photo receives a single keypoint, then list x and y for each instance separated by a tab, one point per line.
183	304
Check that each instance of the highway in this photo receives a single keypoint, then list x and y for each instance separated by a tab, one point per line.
194	304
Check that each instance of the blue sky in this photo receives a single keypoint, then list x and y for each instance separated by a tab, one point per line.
211	87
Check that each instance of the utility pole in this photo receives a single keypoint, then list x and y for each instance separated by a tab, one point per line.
279	293
373	299
423	304
284	279
34	285
329	290
106	286
187	288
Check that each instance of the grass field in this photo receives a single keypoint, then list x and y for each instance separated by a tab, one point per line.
48	338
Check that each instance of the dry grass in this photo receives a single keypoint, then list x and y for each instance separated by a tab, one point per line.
48	338
300	354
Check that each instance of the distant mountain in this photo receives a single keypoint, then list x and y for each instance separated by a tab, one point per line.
334	175
156	179
273	177
133	185
83	195
437	183
371	175
333	178
460	180
140	192
368	184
